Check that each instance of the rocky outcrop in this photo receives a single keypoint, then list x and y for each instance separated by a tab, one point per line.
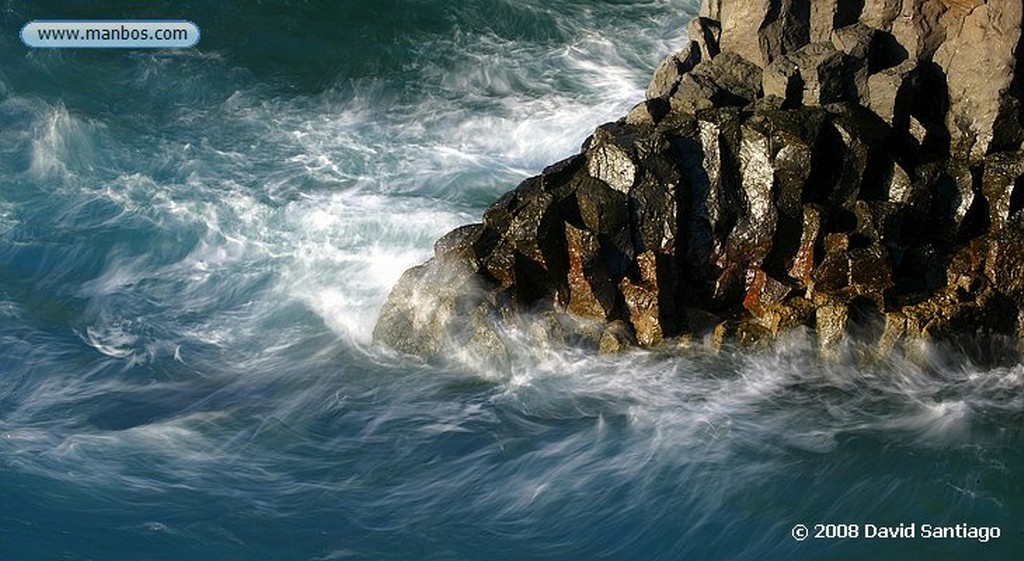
831	165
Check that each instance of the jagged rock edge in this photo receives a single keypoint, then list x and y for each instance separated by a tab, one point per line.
666	225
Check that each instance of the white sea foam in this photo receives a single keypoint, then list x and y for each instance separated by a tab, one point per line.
8	220
340	252
63	144
113	340
349	249
177	450
10	310
200	361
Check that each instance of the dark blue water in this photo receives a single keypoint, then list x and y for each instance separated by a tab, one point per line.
194	246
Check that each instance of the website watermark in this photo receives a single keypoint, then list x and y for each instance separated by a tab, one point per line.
110	34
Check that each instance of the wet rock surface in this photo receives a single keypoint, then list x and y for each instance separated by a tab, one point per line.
815	165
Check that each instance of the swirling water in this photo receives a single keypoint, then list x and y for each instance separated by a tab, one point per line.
194	246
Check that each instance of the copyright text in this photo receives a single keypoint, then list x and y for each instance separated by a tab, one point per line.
911	531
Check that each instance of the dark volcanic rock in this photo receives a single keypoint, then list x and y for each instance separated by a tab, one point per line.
725	80
817	164
816	74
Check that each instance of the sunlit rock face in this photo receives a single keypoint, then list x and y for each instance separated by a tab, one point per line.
798	164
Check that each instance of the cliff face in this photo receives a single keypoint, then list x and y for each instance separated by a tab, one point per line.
827	164
959	56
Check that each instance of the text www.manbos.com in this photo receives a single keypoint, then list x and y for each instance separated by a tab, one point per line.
110	34
122	34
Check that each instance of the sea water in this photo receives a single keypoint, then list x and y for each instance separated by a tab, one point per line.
194	247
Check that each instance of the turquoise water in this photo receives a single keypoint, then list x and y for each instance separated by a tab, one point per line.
194	247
